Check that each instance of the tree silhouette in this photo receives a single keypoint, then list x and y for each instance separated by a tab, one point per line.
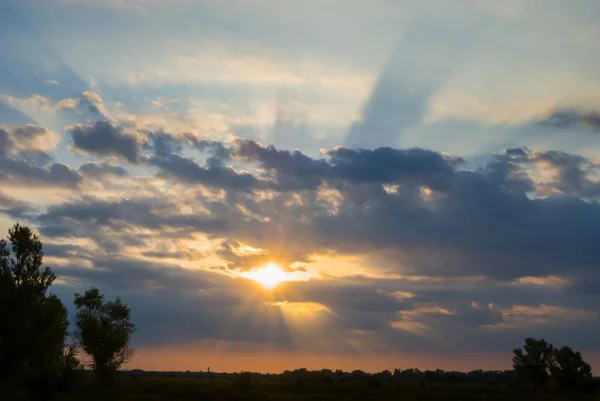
570	370
103	331
34	325
538	360
534	361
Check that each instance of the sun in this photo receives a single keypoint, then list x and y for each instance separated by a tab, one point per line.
269	276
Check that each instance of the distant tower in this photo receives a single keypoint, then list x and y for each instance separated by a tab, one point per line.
209	369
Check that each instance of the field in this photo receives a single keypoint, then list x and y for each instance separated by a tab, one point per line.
233	389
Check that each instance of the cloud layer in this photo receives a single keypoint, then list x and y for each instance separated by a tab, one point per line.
427	175
406	249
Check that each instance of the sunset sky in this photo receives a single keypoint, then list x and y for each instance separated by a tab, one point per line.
278	184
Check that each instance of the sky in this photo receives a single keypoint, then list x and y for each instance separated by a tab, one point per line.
335	184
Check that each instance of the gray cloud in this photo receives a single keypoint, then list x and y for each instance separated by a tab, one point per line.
573	118
213	174
573	173
24	160
296	171
105	139
101	170
27	138
478	222
14	208
404	213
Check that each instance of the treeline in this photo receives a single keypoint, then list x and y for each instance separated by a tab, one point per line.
523	380
38	352
340	376
410	375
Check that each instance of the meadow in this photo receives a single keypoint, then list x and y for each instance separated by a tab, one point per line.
236	387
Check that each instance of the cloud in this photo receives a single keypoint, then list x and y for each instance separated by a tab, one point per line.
103	138
95	103
38	102
146	283
28	138
397	203
588	120
119	4
408	249
26	173
213	174
574	173
296	171
101	170
12	207
437	246
24	158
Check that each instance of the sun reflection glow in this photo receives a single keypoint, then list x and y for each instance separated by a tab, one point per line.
270	275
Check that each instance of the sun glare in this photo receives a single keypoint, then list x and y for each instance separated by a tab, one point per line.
269	276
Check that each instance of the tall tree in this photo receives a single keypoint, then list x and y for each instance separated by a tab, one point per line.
534	361
33	324
570	370
538	360
103	331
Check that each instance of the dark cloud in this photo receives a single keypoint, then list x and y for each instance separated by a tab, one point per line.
296	171
573	118
108	222
293	170
24	160
212	174
101	170
573	176
469	235
14	208
387	165
105	139
402	203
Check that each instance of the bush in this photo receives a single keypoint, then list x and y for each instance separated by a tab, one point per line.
73	373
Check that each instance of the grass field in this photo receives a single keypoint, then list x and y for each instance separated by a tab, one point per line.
203	389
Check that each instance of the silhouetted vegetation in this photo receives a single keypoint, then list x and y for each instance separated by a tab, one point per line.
539	362
39	360
103	331
33	323
34	351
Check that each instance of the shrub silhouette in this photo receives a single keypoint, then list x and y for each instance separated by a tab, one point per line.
73	372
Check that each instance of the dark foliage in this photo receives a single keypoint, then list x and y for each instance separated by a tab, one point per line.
103	331
538	362
34	324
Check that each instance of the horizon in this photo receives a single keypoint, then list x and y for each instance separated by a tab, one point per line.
286	185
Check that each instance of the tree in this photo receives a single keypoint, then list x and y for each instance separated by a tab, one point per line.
34	324
538	360
570	370
103	331
534	361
